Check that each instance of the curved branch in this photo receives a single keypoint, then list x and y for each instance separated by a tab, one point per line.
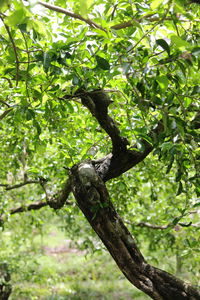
112	166
97	102
121	159
59	200
71	14
55	202
151	17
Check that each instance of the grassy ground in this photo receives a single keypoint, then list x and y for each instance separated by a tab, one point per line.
58	272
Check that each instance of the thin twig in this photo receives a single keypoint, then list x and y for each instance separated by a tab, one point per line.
5	103
33	206
5	113
163	227
28	62
11	187
14	49
152	226
9	81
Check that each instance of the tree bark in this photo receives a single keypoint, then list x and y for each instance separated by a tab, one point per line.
93	199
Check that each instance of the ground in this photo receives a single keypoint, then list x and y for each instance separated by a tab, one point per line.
57	271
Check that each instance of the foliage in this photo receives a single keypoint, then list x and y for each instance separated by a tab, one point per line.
147	54
59	271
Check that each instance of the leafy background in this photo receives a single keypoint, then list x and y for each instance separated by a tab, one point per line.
151	70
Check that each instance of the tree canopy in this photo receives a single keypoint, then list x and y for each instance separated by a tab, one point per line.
104	91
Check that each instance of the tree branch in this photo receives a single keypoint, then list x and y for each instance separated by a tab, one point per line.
32	206
112	166
9	81
60	199
121	159
56	202
4	102
93	199
11	187
97	102
71	14
14	49
95	25
5	113
152	226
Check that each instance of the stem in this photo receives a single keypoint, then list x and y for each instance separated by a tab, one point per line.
14	49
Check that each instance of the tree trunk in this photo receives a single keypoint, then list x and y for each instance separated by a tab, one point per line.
93	199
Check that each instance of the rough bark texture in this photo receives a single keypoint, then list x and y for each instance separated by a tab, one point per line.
88	186
93	199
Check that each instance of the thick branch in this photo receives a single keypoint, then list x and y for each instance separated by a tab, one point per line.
59	200
97	102
93	199
112	166
121	159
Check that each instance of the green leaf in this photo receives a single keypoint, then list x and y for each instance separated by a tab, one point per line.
40	29
16	18
23	27
3	3
176	220
76	80
179	175
178	42
46	61
170	164
30	114
37	126
164	45
70	107
102	63
180	189
196	51
155	4
162	81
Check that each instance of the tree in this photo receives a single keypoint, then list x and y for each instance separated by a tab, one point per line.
98	91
